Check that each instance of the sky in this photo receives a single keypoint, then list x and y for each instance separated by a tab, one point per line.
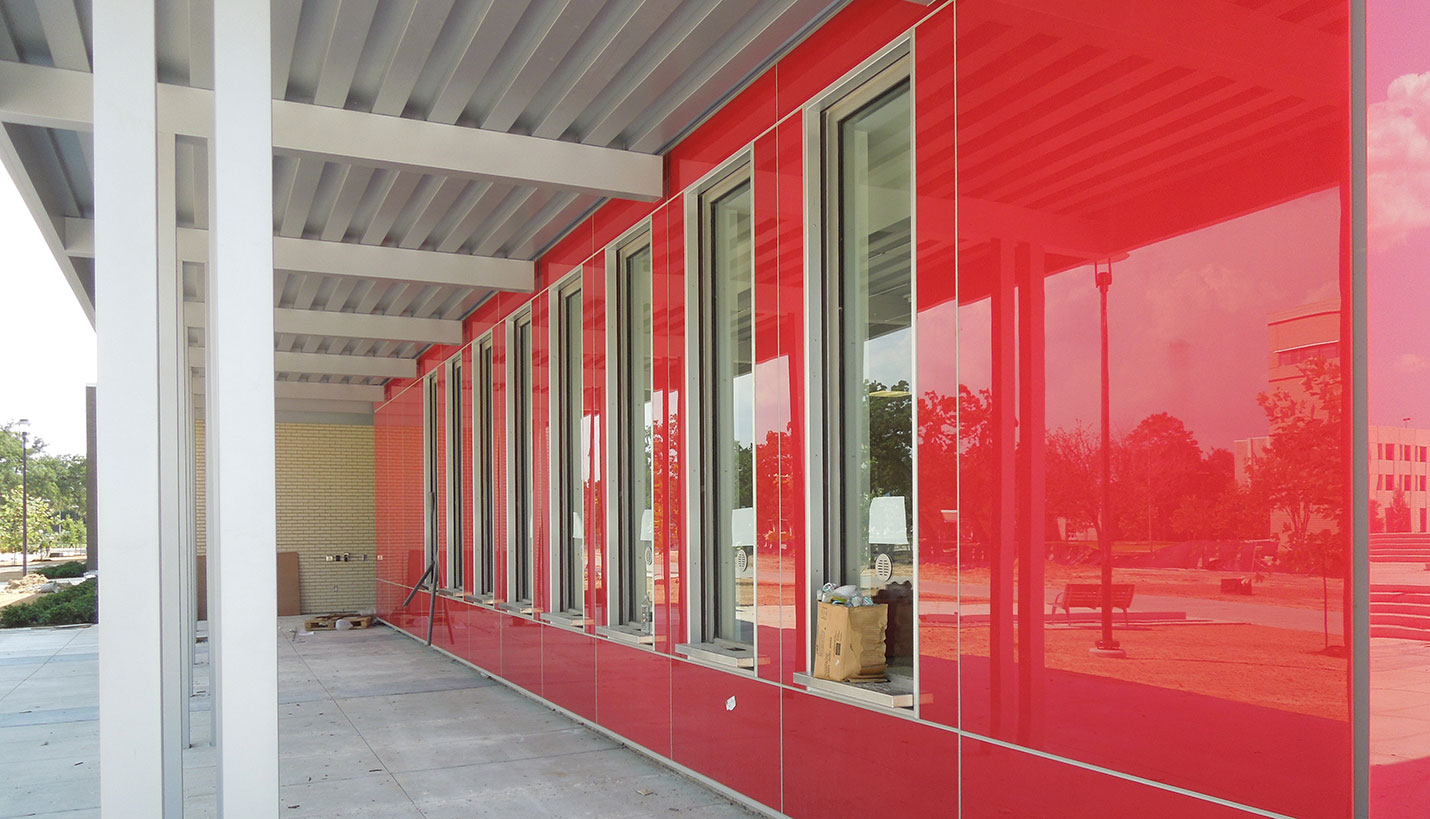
1398	126
48	342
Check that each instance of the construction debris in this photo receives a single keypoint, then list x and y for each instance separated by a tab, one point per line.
338	622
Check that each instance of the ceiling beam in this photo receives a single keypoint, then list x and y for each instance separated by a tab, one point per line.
310	405
362	366
347	325
57	98
346	259
313	391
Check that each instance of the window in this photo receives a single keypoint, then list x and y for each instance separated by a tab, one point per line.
633	566
1390	482
1422	453
1420	483
1300	355
1405	482
866	146
569	470
1405	452
484	517
1380	452
1379	481
522	542
456	477
727	399
430	473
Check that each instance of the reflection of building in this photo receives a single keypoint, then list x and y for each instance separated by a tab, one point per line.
1399	456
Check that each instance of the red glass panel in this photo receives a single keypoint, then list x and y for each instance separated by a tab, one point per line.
1205	170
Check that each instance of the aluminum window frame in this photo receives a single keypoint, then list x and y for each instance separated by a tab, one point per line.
856	87
483	470
699	429
565	500
521	519
455	564
615	544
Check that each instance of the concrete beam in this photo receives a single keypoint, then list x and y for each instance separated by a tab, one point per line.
349	325
347	259
313	391
56	98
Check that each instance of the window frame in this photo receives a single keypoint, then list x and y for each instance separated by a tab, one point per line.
617	626
701	535
455	478
483	487
564	499
521	520
431	508
890	67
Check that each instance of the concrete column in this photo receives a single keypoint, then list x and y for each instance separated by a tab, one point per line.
243	600
173	391
1031	489
1003	548
126	325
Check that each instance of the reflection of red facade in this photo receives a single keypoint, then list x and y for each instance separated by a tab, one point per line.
1154	135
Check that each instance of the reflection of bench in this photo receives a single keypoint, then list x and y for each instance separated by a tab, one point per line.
1089	596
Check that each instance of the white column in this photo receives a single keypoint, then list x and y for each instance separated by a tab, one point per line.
173	391
126	325
243	600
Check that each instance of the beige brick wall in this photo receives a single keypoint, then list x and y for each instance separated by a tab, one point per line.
325	506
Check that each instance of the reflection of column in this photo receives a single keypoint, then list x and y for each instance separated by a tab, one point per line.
1107	645
1031	488
1001	550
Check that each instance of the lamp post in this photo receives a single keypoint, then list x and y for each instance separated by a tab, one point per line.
24	496
1106	646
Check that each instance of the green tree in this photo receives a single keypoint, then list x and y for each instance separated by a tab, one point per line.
1397	514
44	524
58	479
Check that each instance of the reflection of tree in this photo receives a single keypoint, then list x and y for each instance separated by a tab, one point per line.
891	435
1397	514
1155	466
1299	472
1073	474
976	462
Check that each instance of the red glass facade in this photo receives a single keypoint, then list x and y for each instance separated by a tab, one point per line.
1197	154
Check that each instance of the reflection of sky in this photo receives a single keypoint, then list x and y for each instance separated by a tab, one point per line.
743	391
1187	322
889	358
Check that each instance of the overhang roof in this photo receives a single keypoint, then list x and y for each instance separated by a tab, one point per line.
399	142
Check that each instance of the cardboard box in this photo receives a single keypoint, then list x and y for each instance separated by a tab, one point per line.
849	641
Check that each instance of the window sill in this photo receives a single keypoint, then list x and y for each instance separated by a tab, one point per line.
896	693
566	619
627	634
480	600
729	656
455	594
524	609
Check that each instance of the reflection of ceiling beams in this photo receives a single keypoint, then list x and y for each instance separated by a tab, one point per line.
363	366
346	259
980	220
1211	35
56	98
348	325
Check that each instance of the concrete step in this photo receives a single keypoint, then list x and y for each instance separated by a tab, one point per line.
1419	621
1400	633
1397	607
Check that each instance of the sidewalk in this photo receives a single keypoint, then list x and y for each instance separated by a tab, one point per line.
371	724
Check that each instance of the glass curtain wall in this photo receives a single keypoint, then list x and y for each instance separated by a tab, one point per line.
728	387
637	526
869	332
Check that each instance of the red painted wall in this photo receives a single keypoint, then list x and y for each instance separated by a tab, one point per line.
1065	132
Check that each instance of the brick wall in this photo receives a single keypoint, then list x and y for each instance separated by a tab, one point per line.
325	506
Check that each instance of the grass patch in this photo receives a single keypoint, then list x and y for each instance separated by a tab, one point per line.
74	568
75	604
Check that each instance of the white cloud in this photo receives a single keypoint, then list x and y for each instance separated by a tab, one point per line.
1411	363
1398	134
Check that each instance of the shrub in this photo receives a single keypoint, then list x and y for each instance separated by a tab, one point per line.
74	568
75	604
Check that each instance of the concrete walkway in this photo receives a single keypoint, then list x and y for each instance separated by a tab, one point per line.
371	723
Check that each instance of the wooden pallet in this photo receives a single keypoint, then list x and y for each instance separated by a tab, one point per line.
329	622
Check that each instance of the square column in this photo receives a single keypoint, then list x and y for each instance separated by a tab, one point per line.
239	430
131	714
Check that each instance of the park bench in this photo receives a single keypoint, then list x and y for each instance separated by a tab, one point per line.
1089	596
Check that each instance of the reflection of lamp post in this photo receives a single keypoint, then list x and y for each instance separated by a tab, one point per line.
1107	646
888	526
24	496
